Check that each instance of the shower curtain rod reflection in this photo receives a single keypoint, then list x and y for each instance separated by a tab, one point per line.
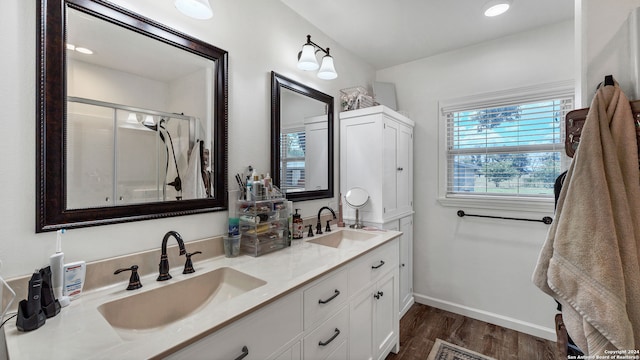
128	108
547	219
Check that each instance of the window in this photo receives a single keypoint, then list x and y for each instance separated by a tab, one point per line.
508	148
292	158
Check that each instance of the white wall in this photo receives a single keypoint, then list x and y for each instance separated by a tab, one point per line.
478	267
104	84
260	35
604	45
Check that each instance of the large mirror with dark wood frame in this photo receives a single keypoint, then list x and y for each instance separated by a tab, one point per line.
301	140
132	118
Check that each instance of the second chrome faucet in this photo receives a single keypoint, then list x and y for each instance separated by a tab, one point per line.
164	260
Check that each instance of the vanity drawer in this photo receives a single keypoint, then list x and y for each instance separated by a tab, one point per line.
329	336
326	296
260	334
372	266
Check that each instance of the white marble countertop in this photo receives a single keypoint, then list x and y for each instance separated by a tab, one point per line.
79	331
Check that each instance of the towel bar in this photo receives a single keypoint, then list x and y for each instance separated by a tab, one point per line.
547	219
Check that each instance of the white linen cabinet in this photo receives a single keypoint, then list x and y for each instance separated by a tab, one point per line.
376	154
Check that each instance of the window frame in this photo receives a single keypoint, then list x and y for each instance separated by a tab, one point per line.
510	97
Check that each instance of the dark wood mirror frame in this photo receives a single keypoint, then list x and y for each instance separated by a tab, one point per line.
277	83
51	211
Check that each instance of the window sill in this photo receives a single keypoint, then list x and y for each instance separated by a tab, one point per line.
543	206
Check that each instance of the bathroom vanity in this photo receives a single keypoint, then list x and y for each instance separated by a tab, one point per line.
331	296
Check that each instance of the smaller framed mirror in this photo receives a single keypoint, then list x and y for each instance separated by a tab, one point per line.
301	140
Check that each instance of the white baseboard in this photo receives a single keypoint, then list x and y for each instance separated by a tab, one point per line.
406	307
492	318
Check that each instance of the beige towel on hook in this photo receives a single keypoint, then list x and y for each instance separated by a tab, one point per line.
589	262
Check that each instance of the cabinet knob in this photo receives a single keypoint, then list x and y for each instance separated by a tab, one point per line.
400	169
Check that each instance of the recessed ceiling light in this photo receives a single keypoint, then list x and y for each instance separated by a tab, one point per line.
71	47
496	7
197	9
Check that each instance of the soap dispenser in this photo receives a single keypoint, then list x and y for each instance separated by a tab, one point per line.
298	228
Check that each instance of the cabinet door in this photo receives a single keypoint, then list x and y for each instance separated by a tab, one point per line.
361	326
406	264
397	173
360	165
404	169
385	315
390	135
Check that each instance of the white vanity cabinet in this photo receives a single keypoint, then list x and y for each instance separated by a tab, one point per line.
376	154
373	317
350	312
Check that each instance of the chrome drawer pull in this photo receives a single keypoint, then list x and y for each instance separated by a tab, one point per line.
244	354
335	335
337	292
378	266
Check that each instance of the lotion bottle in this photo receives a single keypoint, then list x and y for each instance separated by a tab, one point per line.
74	274
56	261
298	227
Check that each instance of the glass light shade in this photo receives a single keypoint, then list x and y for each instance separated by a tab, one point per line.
307	60
197	9
132	118
148	120
327	70
496	7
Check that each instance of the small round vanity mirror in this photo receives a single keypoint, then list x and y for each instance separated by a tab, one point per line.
357	198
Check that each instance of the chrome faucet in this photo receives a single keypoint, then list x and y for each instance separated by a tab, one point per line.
318	225
164	260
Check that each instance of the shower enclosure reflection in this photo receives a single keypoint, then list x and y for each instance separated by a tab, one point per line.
120	155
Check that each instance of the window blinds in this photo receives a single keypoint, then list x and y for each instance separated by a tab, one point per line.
514	149
292	160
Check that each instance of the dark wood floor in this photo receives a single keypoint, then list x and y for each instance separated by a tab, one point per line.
422	325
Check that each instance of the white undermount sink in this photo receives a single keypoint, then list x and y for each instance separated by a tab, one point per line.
176	300
341	238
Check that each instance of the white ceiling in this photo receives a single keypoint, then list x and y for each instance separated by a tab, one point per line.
390	32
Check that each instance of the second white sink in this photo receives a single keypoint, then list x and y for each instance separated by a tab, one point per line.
341	238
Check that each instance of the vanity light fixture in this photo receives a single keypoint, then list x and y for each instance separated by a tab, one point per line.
197	9
307	60
496	7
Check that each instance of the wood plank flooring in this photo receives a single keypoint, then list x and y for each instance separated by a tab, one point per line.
423	324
